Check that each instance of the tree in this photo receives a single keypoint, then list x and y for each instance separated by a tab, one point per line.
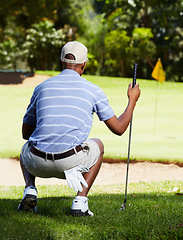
118	46
42	44
143	50
20	20
164	18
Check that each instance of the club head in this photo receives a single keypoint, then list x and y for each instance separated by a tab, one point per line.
123	207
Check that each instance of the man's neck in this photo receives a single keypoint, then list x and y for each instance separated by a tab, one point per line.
74	67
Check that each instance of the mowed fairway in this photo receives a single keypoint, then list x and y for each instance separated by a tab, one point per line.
157	131
154	211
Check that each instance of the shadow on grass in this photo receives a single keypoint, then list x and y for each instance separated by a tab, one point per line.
149	216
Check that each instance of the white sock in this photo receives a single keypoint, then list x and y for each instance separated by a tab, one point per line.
82	198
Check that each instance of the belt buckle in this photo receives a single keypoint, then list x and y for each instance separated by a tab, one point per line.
52	158
86	148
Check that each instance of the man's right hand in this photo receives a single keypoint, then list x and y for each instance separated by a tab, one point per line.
120	124
133	93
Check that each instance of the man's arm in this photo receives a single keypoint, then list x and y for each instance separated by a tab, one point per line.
120	124
27	130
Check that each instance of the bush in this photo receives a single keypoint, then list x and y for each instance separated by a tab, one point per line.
43	43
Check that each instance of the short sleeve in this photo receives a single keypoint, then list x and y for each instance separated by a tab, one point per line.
102	107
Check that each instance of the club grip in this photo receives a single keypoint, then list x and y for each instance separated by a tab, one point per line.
134	75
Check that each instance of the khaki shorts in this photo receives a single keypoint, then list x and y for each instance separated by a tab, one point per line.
43	168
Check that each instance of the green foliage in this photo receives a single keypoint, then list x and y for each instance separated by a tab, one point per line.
143	50
120	19
91	65
124	50
142	33
165	21
41	27
118	46
10	45
9	53
93	37
154	211
140	47
89	21
43	43
26	13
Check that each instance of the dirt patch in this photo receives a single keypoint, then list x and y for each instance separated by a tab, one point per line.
110	160
110	173
32	81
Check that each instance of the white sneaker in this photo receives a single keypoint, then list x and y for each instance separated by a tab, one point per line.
80	208
29	200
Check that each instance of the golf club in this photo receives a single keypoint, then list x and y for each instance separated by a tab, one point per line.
123	206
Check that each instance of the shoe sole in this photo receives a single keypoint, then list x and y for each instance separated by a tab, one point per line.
79	213
28	203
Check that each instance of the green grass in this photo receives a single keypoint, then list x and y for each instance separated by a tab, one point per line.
50	73
156	132
153	211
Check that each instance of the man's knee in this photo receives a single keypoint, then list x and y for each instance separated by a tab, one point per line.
100	144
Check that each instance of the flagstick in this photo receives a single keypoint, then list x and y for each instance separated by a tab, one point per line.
156	103
159	75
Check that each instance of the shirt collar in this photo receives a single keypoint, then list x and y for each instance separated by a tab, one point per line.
69	72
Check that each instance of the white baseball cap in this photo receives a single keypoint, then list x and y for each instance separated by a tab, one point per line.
77	49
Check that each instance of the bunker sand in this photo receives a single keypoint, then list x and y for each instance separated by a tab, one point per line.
110	173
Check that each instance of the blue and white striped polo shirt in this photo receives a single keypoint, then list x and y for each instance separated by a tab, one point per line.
62	110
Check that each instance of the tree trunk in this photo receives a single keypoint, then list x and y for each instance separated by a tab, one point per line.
150	63
122	68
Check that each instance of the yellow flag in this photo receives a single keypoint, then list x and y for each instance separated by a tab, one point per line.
158	72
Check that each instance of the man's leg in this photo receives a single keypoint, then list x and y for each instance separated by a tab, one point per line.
29	178
29	199
80	203
92	174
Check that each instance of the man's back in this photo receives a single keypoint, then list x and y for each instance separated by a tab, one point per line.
64	108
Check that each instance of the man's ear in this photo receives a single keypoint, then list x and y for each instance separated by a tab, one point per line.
84	64
61	64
